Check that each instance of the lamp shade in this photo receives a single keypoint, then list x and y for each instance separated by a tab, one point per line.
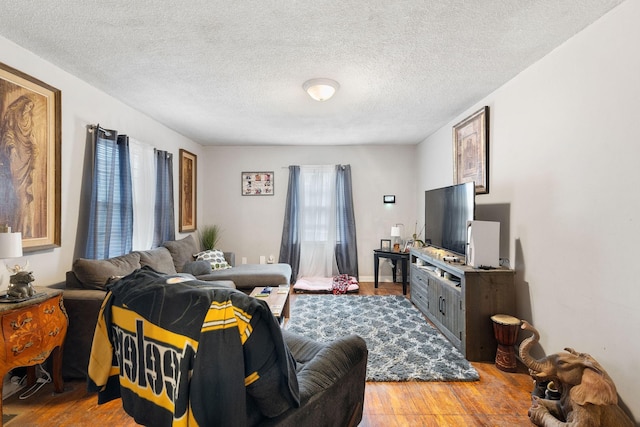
10	245
321	89
395	231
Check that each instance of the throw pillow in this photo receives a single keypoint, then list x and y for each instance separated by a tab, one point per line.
159	259
182	251
95	274
197	268
215	257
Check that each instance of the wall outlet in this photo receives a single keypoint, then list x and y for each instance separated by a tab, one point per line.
244	259
263	259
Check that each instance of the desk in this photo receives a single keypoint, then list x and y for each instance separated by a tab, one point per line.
394	257
31	330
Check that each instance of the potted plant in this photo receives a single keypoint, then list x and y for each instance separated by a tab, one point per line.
209	236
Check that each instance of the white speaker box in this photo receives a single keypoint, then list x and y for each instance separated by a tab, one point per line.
483	244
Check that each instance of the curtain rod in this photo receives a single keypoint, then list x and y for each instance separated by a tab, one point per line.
287	167
108	132
94	127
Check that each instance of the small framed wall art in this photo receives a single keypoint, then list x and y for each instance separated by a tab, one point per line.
385	244
471	151
188	193
30	144
257	183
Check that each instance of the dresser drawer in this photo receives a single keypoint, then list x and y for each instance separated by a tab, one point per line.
30	333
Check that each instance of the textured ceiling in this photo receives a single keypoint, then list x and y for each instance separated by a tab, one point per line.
222	72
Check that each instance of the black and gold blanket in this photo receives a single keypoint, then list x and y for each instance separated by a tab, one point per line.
180	352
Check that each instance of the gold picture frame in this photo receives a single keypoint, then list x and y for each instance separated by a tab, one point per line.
471	151
188	191
30	165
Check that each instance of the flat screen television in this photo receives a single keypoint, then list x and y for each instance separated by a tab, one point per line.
446	212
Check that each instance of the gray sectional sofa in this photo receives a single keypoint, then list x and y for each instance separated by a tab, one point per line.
85	288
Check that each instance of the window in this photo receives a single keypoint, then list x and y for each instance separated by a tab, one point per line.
111	213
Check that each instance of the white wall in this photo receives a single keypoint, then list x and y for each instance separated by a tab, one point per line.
83	105
564	152
252	225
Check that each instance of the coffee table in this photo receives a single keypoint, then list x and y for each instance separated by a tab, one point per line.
277	300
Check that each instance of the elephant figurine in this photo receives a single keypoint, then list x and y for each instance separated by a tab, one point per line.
588	396
20	285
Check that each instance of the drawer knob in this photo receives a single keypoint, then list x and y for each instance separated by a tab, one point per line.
50	309
55	332
16	350
17	325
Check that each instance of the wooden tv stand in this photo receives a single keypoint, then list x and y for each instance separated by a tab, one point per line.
460	300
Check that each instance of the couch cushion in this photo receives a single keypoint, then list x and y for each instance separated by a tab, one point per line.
214	257
248	276
95	273
159	259
182	251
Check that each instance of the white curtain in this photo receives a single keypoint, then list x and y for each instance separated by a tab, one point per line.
143	177
317	221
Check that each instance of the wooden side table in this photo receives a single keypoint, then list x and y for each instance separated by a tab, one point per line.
31	331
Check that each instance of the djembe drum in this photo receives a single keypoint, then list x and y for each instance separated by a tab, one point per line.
505	329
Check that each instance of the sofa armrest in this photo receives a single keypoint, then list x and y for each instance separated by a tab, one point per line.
330	375
231	258
82	307
59	285
324	363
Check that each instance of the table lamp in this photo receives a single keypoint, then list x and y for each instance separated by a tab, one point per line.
10	247
10	244
395	238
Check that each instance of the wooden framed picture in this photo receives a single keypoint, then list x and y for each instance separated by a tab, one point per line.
257	183
188	193
385	244
30	138
471	151
408	245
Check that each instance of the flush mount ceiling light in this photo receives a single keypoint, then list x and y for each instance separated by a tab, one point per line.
321	89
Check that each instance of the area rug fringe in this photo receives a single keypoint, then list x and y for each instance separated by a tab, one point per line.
402	345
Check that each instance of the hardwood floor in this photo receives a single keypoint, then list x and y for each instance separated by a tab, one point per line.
498	399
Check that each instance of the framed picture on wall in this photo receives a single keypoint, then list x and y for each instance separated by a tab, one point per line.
188	193
30	139
257	183
471	151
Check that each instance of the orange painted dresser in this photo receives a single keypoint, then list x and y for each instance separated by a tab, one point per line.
31	331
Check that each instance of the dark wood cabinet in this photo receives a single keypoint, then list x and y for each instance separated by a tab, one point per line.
460	300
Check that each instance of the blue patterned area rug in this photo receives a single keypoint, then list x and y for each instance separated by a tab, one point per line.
402	345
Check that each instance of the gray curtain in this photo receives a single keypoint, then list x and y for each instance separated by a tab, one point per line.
346	248
164	218
290	244
110	224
